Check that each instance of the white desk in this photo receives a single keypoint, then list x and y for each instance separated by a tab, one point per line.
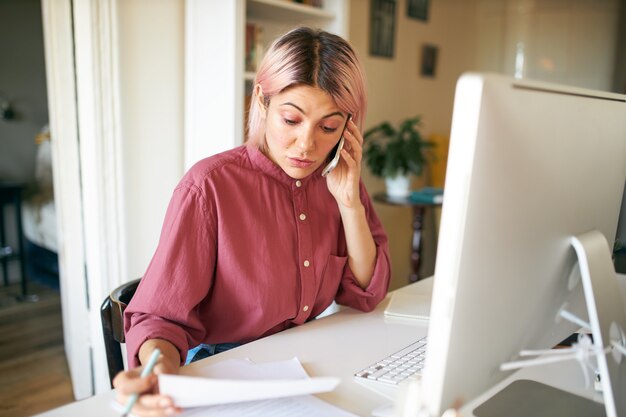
339	345
336	345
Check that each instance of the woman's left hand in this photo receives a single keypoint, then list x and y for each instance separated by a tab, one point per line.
343	181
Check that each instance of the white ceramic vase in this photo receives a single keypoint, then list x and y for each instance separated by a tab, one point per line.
398	186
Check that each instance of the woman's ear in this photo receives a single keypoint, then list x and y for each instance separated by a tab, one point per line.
260	100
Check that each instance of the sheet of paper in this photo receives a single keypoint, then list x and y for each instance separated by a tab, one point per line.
188	391
246	369
303	406
234	381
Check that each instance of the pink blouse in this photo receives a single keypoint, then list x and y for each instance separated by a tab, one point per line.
247	251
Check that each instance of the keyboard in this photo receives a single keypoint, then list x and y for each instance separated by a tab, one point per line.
399	366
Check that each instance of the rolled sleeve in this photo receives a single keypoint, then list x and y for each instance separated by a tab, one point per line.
147	326
350	292
352	295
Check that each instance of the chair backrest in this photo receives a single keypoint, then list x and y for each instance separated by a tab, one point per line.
112	315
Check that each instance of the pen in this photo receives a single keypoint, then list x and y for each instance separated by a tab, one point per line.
144	373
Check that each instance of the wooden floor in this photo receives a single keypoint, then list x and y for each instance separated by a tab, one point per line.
34	376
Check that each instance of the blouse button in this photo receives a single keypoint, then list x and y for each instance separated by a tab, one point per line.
302	216
305	308
306	264
298	183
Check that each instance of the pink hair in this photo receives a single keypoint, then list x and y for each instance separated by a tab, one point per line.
304	56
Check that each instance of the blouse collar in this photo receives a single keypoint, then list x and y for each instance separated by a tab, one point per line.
261	162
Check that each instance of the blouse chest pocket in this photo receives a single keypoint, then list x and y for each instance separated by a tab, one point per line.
331	278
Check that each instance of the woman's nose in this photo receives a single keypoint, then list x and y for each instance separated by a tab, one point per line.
305	140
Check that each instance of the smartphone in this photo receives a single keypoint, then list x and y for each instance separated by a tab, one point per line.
336	152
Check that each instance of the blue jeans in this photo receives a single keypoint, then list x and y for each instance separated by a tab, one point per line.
204	351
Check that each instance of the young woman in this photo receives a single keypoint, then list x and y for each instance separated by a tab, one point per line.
255	239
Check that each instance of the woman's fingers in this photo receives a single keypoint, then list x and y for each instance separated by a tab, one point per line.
354	149
155	406
347	158
354	142
130	382
148	404
354	131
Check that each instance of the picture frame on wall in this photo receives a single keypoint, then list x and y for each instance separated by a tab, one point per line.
417	9
429	60
382	28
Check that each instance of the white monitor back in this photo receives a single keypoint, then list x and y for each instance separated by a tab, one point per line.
530	165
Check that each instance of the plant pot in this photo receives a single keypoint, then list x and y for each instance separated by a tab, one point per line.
398	186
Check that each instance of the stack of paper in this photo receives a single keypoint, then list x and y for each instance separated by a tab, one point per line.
240	387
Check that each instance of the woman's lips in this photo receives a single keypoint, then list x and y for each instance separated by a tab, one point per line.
300	163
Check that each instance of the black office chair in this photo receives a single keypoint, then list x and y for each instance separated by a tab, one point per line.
112	315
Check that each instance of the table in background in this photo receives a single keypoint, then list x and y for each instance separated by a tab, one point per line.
419	209
11	195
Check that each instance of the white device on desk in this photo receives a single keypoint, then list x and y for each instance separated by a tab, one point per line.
412	301
530	166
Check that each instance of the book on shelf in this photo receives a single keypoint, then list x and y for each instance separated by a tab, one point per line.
254	46
428	195
314	3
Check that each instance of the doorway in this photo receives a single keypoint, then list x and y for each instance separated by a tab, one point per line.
33	361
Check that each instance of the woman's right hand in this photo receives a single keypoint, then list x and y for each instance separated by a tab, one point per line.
150	402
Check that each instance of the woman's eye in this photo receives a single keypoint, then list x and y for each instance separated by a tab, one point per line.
290	122
327	129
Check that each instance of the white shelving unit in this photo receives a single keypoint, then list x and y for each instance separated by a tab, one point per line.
286	11
215	80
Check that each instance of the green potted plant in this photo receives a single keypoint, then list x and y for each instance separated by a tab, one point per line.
397	153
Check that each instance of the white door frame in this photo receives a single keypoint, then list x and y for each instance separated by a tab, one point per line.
80	38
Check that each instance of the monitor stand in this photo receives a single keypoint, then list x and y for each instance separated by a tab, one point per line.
607	319
606	316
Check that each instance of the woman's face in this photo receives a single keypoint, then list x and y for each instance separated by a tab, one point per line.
302	125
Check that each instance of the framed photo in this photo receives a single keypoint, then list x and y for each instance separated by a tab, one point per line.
417	9
429	60
382	27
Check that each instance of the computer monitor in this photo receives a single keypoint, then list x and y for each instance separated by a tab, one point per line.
530	165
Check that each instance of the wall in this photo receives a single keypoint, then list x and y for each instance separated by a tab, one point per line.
564	41
619	74
151	41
